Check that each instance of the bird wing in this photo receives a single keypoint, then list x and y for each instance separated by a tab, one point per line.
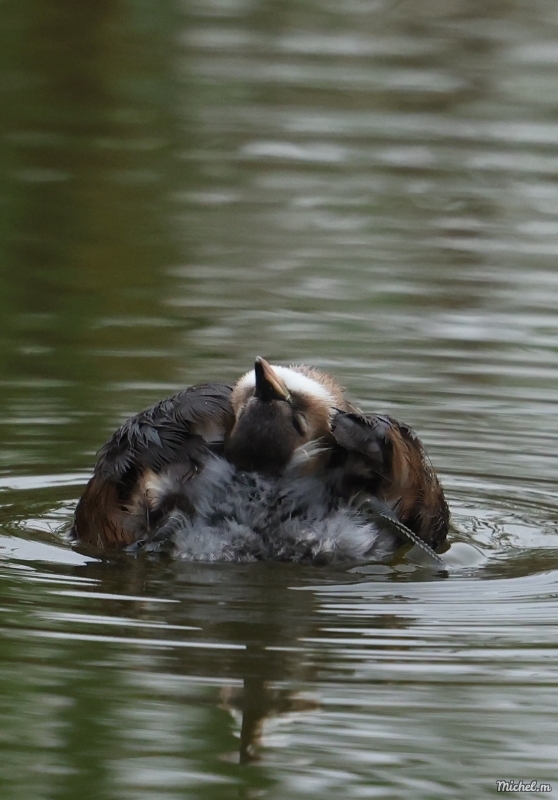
382	457
174	438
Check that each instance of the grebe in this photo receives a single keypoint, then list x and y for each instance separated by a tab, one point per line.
281	466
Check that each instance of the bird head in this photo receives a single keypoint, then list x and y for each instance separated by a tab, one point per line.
278	411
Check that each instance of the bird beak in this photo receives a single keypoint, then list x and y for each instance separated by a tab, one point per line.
269	385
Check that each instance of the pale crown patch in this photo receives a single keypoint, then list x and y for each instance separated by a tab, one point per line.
294	381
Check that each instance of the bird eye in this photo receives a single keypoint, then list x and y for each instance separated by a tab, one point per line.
300	424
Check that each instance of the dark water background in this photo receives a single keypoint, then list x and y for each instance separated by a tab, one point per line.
370	187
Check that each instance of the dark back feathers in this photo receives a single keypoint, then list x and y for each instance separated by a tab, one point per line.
183	429
174	430
386	459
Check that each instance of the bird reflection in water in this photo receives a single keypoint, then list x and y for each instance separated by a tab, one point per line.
257	703
243	630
